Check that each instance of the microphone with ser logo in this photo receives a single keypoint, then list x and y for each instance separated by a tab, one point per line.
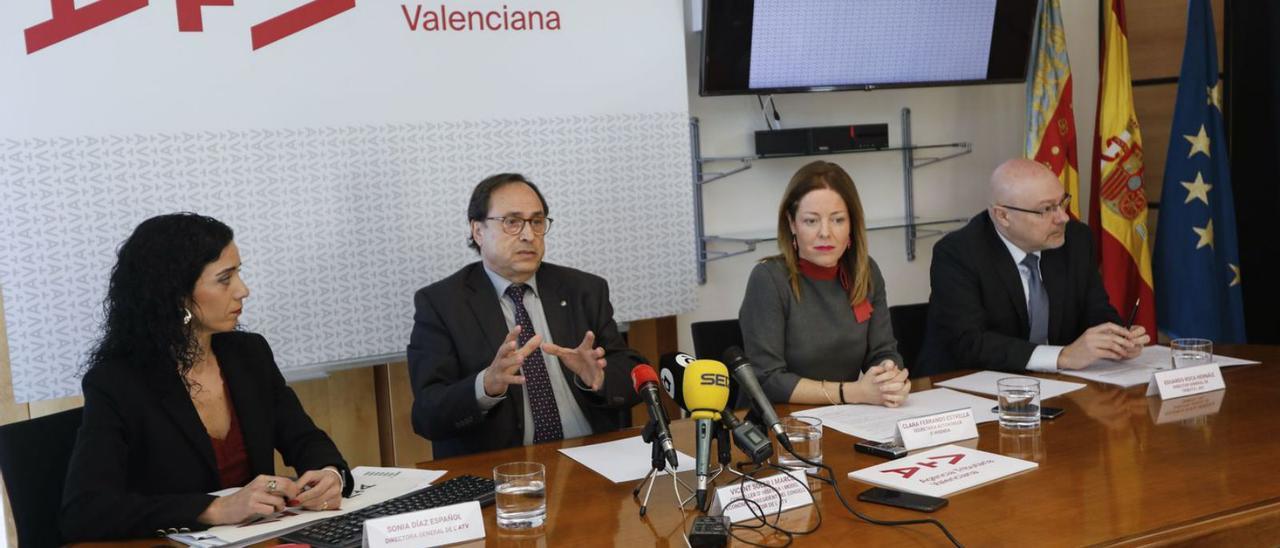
706	392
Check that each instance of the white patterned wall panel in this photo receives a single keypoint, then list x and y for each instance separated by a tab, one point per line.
337	225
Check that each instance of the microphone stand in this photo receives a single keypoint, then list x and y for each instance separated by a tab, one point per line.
658	463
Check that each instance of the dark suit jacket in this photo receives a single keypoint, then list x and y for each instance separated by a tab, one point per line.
978	311
458	327
143	462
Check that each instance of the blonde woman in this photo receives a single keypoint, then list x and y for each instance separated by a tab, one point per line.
814	317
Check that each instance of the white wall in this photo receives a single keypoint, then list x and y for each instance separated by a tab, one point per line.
992	117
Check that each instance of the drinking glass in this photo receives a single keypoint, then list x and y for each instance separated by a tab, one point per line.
521	496
1019	402
805	434
1191	352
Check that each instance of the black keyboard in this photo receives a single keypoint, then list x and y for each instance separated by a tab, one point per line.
345	531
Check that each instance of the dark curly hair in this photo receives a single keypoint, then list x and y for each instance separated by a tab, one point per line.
156	271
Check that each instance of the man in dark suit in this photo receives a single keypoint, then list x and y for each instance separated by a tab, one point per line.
1018	287
485	358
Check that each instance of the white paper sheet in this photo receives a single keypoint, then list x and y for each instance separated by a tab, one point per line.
1139	370
878	423
984	382
373	485
627	459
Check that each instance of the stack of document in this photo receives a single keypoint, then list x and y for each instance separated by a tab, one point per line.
984	382
627	459
877	423
1140	369
373	485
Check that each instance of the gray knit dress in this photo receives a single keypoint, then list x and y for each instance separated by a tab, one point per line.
816	337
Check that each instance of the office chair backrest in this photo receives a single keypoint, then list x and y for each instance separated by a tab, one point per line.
33	459
710	339
909	321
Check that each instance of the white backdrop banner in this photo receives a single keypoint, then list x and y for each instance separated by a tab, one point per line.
341	140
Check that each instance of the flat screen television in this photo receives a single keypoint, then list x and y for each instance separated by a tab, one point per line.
754	47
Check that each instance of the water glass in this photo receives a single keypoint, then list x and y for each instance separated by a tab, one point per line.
1019	402
521	497
805	434
1191	352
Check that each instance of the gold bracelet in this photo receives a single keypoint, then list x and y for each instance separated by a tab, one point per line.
827	394
342	482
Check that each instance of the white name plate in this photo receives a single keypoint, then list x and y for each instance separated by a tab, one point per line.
791	485
434	527
1176	383
937	429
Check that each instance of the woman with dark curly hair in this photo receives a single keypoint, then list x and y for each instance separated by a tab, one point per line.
179	404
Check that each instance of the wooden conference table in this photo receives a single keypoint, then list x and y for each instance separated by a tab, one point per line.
1109	474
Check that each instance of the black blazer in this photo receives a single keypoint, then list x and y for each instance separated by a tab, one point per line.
978	311
458	327
143	463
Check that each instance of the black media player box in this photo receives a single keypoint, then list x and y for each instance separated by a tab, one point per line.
821	140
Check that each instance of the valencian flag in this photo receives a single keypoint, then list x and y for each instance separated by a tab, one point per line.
1196	254
1051	125
1117	203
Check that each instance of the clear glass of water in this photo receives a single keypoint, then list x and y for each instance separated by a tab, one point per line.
1191	352
1019	402
805	434
521	497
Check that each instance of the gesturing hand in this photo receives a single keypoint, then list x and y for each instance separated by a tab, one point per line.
502	371
586	360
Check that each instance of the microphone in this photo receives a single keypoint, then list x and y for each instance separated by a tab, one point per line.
706	392
748	436
745	374
646	384
671	372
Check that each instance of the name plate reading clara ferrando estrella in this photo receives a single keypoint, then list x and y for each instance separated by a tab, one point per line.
433	527
937	429
1187	381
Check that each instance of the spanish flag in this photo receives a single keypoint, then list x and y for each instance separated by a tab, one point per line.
1051	125
1117	202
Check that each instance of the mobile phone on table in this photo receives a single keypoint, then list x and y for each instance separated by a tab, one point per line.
886	449
1046	413
910	501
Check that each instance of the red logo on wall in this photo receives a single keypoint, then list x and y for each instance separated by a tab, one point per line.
69	21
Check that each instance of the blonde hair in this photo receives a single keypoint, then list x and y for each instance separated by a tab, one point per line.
815	176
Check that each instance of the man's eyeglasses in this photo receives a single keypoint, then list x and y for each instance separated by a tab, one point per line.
1049	210
514	225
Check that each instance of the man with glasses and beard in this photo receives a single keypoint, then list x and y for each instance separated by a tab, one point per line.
511	350
1018	287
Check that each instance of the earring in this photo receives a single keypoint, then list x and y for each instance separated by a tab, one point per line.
186	316
794	245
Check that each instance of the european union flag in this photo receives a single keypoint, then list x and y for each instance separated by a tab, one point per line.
1197	263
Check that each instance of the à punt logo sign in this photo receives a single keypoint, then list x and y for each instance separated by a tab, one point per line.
67	21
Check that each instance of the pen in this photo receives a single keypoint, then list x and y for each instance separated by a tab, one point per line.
1133	314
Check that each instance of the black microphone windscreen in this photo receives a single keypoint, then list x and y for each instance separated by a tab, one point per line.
671	373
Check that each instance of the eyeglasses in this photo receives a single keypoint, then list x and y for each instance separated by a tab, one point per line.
1049	210
515	225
